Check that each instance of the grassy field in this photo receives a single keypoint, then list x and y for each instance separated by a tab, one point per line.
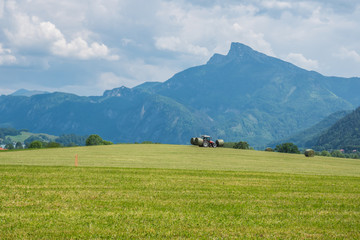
182	157
165	191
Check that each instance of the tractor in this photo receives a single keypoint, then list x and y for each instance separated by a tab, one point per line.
205	141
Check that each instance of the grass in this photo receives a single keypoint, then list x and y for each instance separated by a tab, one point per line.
165	191
183	157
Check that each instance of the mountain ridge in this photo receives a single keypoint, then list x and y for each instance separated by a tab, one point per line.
244	95
27	93
269	80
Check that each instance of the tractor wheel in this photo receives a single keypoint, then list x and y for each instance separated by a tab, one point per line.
205	144
214	145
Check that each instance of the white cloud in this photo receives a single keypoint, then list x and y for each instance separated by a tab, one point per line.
195	28
253	39
109	80
276	4
79	48
345	53
43	36
6	58
299	60
135	71
30	32
177	45
1	8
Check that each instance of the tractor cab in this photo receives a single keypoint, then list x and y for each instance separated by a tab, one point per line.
206	138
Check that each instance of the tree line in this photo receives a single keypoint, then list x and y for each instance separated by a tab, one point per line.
292	148
43	141
91	140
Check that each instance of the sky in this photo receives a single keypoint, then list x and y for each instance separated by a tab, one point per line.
87	47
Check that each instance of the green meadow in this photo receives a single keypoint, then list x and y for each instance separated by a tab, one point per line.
142	191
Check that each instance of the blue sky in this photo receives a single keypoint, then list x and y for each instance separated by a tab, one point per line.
86	47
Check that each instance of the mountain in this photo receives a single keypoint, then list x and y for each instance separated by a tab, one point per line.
345	134
130	116
307	138
27	93
254	97
244	95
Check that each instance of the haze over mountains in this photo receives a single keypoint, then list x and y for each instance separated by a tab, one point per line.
244	95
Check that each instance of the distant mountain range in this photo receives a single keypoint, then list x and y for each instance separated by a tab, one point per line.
244	95
27	93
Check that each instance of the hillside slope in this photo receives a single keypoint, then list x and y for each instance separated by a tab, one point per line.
308	137
345	134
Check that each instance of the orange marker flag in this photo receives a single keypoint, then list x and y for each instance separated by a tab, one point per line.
76	160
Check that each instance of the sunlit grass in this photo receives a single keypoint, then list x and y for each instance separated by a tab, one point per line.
183	157
83	203
168	191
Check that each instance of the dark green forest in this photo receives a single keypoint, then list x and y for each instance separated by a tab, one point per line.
344	134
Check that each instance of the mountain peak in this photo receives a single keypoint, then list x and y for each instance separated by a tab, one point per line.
238	51
117	92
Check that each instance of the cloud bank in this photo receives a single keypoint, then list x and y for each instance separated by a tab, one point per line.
89	46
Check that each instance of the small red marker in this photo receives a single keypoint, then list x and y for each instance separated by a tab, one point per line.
76	160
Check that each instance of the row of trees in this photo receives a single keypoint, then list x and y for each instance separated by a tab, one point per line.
11	146
67	140
338	153
292	148
39	144
284	148
35	144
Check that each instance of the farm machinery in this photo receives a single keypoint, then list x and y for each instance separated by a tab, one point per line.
205	141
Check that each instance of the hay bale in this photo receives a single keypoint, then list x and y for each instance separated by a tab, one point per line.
269	149
220	143
309	153
192	141
199	141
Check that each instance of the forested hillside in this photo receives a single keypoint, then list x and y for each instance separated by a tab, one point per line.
8	131
307	138
344	134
